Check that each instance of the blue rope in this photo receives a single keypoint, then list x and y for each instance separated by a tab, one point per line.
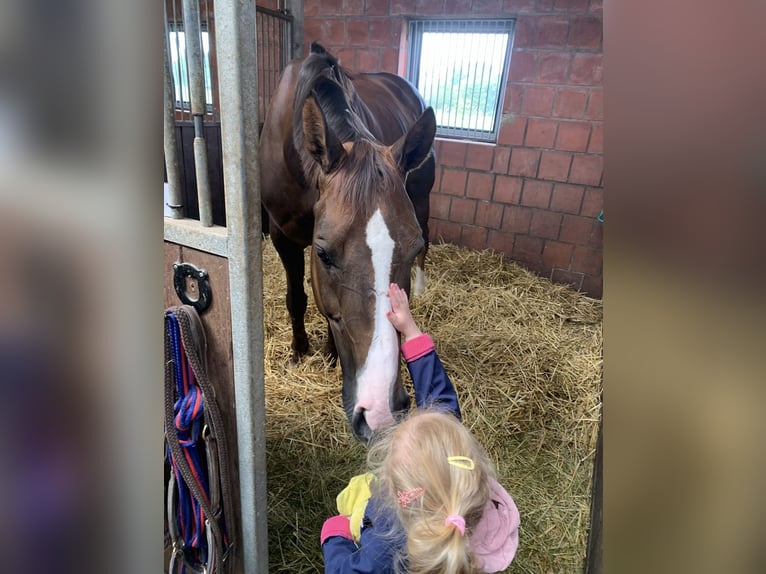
188	424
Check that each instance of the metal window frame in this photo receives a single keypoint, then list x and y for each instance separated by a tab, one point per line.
418	26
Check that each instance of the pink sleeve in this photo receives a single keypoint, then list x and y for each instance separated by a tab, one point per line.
417	347
335	526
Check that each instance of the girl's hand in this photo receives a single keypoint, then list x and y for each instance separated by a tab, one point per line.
400	315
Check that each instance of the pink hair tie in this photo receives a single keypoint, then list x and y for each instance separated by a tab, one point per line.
457	521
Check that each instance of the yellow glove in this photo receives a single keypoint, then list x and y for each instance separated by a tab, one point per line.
352	502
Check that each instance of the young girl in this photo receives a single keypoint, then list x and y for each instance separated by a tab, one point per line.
431	502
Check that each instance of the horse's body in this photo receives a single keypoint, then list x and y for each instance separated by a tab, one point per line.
347	167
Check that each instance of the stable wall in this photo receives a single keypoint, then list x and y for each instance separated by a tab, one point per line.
535	195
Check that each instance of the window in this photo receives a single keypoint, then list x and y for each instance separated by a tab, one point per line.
177	49
460	68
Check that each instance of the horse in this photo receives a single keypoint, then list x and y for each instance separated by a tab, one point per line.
346	167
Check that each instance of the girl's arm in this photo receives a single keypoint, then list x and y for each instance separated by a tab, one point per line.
432	385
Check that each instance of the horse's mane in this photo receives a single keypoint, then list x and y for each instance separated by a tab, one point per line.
322	77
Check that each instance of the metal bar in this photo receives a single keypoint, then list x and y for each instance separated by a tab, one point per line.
194	56
238	78
196	69
175	197
190	233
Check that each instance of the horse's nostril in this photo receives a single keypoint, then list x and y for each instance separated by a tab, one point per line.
360	428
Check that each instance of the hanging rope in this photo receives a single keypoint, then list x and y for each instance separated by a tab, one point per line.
196	452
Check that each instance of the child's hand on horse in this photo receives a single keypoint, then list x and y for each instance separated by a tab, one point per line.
400	315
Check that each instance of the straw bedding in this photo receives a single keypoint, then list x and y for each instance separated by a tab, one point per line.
525	358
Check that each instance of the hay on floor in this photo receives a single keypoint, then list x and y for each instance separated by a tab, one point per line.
525	358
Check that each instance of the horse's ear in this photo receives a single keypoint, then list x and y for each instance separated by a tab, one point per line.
413	148
323	145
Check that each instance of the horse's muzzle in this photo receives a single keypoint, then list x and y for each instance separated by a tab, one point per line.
360	428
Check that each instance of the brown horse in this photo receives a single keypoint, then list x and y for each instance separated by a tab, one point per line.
347	165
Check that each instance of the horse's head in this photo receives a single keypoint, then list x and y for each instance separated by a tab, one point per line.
366	236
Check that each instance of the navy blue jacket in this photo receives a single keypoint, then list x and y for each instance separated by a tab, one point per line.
375	554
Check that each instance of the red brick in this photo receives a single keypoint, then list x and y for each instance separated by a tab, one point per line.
500	242
380	32
545	224
557	254
479	185
540	133
452	153
479	156
512	131
586	32
334	32
487	6
528	249
570	6
567	198
566	277
514	94
573	136
538	101
555	165
553	68
437	178
575	229
389	60
507	189
358	32
536	193
312	30
524	162
523	67
330	7
457	7
368	60
462	210
595	110
488	215
427	7
596	6
518	6
312	9
545	5
448	232
524	35
593	286
516	219
597	235
502	157
402	7
592	202
439	206
587	69
453	182
570	103
474	238
350	7
551	32
375	8
589	261
346	57
597	139
586	169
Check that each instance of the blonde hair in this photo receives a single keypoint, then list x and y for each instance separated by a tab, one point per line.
412	456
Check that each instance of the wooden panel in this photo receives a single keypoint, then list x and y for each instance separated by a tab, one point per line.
217	324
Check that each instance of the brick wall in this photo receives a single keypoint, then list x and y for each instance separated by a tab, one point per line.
534	195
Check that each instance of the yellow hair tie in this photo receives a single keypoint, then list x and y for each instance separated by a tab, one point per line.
461	462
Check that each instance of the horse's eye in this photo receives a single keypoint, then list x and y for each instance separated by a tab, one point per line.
324	257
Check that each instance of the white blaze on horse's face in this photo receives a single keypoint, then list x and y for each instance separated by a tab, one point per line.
381	367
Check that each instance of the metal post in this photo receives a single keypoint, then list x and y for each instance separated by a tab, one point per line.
197	96
238	85
296	30
175	201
